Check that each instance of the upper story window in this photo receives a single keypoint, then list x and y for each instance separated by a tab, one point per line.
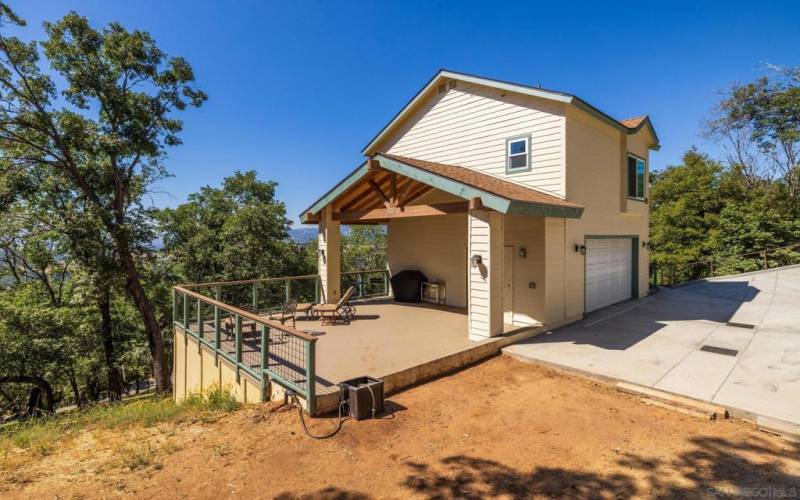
636	177
518	154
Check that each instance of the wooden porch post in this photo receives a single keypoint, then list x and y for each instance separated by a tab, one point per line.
485	280
328	258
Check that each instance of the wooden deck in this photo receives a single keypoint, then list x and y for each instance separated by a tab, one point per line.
401	343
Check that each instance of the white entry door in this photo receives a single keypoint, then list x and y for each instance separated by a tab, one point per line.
609	269
508	285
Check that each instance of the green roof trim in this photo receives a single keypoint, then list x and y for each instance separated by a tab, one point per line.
456	188
337	190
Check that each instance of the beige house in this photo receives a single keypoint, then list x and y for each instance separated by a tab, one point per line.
529	205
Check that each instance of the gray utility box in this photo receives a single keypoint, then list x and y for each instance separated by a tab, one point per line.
363	395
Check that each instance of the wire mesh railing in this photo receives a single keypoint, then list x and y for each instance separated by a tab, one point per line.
232	319
252	343
369	284
675	274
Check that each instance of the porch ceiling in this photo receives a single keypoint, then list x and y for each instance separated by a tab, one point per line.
385	186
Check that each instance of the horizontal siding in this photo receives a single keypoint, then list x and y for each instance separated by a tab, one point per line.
437	246
468	126
485	285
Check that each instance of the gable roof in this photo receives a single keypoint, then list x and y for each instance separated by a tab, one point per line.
630	126
495	193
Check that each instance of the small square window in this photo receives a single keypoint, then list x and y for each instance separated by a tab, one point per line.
518	154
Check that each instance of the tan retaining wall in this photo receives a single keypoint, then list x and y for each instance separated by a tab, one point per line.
194	369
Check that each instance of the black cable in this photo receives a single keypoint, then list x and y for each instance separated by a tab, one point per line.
303	420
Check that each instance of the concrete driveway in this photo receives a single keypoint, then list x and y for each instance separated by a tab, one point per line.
732	341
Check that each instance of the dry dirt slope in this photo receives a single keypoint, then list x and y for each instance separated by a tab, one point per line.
500	428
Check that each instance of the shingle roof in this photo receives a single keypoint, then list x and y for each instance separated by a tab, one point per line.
633	122
485	182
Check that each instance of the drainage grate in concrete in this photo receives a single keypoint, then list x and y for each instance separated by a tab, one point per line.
719	350
740	325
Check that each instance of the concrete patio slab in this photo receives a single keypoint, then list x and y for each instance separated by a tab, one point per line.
656	342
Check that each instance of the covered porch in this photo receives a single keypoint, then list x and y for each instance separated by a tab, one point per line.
483	238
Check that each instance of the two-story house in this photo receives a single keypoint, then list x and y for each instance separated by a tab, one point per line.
529	204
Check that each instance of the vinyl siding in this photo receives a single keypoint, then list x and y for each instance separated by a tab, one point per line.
485	280
468	126
437	246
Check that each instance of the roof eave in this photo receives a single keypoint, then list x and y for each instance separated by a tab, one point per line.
454	187
334	192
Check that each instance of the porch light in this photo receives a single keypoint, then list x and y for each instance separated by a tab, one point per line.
523	253
581	249
476	260
322	252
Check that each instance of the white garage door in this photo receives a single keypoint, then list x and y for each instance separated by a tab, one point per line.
608	271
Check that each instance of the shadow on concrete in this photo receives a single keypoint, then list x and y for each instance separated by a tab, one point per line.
633	321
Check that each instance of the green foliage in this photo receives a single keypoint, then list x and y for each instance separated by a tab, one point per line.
87	138
364	248
237	231
685	204
701	211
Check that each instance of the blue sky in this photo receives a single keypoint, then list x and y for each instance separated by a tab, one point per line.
296	89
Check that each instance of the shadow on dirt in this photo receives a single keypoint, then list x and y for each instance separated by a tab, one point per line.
710	467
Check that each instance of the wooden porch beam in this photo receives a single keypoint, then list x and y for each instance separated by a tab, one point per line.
476	204
383	214
377	190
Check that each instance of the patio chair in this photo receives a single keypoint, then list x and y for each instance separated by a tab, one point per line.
340	311
288	312
229	323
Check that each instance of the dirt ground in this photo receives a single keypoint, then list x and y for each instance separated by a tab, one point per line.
501	428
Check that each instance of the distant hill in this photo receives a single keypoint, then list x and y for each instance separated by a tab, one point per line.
303	235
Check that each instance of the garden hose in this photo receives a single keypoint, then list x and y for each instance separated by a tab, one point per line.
303	420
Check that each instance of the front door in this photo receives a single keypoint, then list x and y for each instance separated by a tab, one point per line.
508	285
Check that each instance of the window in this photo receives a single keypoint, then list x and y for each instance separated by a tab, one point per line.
636	175
518	154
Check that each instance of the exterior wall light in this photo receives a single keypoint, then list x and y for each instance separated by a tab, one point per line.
581	249
523	253
475	260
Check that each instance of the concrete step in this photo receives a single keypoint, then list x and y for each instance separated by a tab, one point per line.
787	430
704	415
669	400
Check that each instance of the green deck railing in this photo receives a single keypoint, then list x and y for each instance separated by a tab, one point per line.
369	284
230	318
264	349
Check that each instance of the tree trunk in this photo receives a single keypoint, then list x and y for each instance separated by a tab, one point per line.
115	383
146	311
43	384
76	391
